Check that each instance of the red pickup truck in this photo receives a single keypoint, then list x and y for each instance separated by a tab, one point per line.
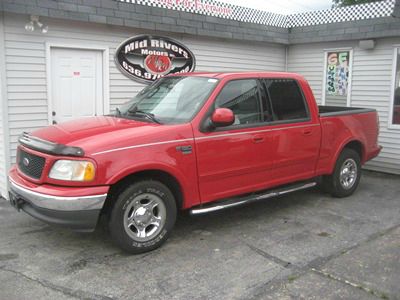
197	141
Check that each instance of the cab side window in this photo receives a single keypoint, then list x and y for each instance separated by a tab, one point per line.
286	99
242	97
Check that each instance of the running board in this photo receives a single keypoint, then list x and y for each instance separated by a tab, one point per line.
250	198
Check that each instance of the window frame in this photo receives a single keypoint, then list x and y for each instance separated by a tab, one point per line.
326	51
391	125
239	126
290	121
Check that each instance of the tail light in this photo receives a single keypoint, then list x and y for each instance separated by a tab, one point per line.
377	122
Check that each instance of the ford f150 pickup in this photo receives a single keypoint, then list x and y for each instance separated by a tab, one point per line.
197	141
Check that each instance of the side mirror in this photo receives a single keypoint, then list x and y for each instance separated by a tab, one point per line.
222	117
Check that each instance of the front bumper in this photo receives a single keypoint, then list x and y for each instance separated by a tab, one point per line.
79	212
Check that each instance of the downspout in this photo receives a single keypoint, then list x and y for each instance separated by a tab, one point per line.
286	57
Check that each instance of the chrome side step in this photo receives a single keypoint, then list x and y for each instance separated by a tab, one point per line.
250	198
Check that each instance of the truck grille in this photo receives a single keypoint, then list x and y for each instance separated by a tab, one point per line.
30	164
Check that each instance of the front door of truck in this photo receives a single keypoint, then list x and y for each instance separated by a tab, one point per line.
236	159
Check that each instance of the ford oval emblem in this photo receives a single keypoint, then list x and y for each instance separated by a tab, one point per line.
25	162
145	58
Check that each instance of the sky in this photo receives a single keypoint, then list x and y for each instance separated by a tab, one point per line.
283	6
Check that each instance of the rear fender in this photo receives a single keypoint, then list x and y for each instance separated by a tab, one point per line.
340	149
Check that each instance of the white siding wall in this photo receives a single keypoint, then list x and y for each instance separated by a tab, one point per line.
26	64
371	87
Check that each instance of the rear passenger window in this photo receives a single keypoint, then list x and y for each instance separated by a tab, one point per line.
286	99
242	97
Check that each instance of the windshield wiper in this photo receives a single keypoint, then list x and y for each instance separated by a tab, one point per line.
147	115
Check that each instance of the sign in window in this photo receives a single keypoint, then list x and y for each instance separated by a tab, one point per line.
337	78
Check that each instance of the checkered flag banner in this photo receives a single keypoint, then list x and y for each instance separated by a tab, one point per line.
250	15
342	14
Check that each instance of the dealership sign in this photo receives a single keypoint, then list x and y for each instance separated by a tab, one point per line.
146	58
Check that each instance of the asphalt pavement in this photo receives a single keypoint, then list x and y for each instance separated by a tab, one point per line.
306	245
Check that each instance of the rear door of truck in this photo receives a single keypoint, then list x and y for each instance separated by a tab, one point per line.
295	129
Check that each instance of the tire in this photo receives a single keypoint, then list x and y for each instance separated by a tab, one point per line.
346	176
135	215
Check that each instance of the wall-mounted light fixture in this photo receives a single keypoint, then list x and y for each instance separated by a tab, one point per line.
35	23
366	44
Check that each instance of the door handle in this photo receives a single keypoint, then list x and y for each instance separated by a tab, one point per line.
258	139
307	131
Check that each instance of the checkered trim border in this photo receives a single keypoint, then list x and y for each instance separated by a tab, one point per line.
348	13
244	14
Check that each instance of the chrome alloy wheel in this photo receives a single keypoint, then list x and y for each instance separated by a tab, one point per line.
145	217
348	173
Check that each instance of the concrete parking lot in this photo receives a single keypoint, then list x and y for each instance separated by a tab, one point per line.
306	245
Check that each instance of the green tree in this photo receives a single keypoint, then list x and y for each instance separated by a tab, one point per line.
341	3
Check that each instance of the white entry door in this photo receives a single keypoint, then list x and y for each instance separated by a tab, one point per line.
76	84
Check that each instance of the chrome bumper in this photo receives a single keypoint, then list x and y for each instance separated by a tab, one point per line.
78	203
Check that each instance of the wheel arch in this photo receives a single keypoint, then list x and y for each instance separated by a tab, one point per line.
357	146
156	174
354	144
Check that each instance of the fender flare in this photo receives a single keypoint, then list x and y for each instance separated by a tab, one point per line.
342	146
151	166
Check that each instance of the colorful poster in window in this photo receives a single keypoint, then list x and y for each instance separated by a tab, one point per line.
337	76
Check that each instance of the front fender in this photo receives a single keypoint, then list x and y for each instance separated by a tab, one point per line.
189	189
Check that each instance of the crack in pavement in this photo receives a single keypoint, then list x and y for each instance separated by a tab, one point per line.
348	282
297	271
275	259
78	294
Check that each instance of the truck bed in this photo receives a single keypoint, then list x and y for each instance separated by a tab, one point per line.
327	111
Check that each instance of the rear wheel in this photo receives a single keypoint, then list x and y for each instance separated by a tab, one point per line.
143	216
346	176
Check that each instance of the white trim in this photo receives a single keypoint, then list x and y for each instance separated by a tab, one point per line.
4	102
338	49
324	78
396	48
105	69
142	145
350	79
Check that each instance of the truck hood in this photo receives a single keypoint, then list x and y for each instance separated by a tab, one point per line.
95	134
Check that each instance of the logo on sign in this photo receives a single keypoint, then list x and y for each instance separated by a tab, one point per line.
146	58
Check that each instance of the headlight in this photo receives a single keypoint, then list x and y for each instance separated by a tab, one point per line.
75	170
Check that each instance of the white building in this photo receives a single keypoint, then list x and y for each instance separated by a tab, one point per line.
70	70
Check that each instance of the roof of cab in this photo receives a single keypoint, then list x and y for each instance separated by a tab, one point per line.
230	75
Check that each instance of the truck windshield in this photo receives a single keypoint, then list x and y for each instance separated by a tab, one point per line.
170	100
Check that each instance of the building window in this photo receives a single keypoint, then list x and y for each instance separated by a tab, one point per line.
396	94
337	77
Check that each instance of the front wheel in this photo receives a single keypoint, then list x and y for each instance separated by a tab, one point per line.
143	216
346	176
